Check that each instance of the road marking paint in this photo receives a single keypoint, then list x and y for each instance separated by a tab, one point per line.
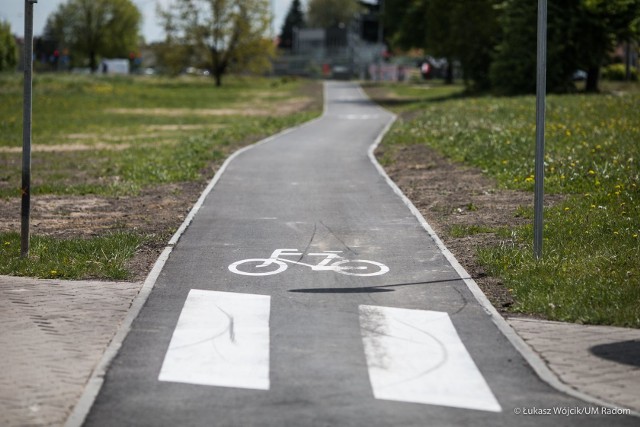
331	262
222	339
358	116
417	356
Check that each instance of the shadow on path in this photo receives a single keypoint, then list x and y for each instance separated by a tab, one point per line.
626	352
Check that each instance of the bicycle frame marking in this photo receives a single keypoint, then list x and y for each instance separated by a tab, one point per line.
332	262
323	265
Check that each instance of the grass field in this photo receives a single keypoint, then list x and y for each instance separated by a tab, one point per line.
109	136
590	271
116	136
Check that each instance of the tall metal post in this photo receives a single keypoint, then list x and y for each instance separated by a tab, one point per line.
26	127
541	93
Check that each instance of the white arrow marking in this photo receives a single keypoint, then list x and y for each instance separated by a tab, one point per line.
222	339
417	356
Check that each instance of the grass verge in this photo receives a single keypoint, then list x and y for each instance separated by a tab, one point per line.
590	271
52	258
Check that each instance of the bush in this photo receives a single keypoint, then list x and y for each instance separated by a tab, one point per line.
618	72
8	49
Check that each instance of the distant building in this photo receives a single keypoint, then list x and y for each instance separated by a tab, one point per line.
114	66
342	51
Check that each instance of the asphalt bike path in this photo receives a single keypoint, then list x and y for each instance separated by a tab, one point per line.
306	293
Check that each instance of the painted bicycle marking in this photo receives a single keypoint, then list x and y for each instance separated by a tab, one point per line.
332	262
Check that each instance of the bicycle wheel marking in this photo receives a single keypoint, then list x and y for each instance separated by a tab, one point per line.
417	356
221	339
277	263
246	267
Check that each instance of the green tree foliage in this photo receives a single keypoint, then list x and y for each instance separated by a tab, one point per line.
496	40
8	48
464	30
513	70
474	28
96	28
220	34
600	25
331	13
406	23
581	34
294	19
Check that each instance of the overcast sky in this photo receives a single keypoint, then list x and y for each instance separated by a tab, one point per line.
13	11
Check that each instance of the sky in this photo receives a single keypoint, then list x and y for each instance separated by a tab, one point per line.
13	12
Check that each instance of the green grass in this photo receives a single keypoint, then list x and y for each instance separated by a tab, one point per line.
590	271
114	136
135	131
98	257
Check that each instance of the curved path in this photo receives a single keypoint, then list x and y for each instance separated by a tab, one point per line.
395	339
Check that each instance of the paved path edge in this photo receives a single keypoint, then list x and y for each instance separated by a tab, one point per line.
94	384
528	353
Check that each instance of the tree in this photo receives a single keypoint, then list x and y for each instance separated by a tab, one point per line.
331	13
222	34
293	20
96	28
8	48
581	34
464	30
473	29
600	25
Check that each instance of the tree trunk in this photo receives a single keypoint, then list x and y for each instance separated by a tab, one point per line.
627	62
93	64
593	76
448	79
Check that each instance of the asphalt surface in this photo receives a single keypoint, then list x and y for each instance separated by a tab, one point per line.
314	189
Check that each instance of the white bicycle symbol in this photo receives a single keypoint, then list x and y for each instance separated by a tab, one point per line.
332	262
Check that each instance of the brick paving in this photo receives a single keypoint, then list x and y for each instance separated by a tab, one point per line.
53	335
600	361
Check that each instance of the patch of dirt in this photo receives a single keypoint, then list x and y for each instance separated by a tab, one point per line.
449	195
59	148
255	109
157	212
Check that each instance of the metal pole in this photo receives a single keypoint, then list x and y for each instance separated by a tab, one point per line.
26	127
541	89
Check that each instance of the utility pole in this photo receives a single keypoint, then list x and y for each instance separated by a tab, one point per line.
26	128
541	94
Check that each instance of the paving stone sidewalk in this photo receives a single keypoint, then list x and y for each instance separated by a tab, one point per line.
600	361
54	334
